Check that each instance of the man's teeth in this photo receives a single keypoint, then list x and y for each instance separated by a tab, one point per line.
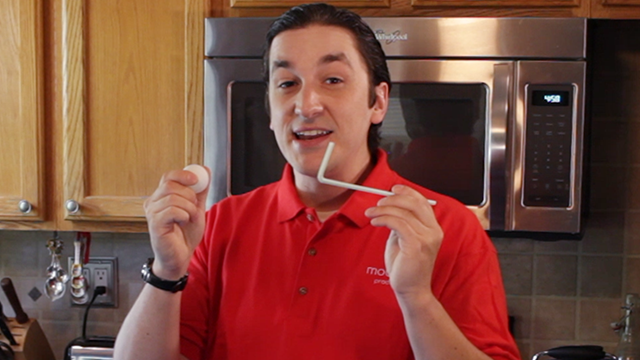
311	134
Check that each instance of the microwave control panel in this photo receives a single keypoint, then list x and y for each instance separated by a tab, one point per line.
548	146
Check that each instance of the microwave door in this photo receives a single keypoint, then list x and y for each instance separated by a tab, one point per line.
231	85
446	130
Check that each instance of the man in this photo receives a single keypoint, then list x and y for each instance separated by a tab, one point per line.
302	270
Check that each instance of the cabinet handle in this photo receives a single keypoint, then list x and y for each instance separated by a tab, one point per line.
72	206
25	206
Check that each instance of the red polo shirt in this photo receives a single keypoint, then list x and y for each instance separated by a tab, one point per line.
269	281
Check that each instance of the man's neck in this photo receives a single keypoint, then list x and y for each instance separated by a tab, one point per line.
323	197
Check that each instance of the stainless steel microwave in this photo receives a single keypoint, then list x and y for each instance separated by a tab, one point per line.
490	111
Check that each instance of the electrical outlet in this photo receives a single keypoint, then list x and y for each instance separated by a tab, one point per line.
100	271
100	277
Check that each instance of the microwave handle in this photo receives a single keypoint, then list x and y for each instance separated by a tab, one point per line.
498	144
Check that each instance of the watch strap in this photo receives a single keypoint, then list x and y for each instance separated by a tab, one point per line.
168	285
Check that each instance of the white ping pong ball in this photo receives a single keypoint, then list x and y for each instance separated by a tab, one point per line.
203	177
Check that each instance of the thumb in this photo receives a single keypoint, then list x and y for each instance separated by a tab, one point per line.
392	249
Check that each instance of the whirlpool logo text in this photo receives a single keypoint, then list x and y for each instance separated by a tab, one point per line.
389	38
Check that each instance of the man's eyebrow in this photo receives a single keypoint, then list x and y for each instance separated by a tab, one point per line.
329	58
280	64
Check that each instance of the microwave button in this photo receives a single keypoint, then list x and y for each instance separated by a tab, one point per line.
548	201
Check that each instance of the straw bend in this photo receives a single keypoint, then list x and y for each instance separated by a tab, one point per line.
346	185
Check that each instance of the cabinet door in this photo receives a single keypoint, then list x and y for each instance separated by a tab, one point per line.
543	8
291	3
498	3
433	8
21	118
615	9
132	104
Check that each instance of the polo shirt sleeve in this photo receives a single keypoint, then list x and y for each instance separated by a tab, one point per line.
199	303
470	287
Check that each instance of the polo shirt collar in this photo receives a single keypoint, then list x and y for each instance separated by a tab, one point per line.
289	203
381	177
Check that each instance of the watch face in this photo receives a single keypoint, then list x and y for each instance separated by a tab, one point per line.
146	269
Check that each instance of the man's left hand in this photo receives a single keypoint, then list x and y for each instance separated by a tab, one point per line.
414	241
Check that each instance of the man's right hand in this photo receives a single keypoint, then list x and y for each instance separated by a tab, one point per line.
176	218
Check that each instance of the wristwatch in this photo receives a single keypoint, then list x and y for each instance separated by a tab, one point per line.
150	278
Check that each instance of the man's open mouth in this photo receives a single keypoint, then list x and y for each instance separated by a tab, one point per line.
311	134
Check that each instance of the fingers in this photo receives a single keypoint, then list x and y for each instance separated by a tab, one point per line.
406	212
174	208
406	203
174	200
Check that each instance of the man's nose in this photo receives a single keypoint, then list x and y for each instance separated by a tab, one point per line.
308	102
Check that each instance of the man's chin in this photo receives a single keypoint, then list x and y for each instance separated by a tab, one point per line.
305	169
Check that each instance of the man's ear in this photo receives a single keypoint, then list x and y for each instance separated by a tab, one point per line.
381	104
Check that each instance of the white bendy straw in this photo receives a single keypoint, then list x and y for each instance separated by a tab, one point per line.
346	185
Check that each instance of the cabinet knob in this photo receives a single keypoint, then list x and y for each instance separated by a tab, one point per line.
24	206
72	206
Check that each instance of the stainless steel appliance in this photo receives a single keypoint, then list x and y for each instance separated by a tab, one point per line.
576	352
94	348
490	111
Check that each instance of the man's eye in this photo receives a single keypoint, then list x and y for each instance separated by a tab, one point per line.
286	84
333	80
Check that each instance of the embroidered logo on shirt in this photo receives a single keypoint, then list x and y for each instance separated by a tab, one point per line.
382	277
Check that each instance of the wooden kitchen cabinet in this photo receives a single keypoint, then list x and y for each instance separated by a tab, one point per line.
615	9
288	3
132	104
22	115
124	105
542	8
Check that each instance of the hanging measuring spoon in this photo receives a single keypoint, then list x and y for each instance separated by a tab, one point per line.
54	285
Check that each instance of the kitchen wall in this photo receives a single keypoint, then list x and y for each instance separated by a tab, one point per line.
24	258
562	292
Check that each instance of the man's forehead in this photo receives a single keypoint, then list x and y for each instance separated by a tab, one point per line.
325	43
330	38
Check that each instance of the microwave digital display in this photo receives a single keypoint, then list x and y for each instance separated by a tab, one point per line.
550	98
